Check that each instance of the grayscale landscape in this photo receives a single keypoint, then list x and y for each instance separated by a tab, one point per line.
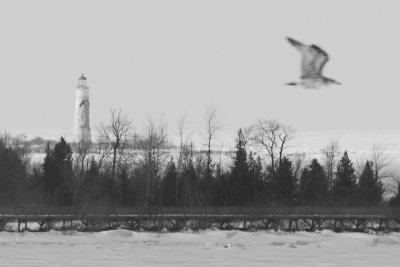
191	133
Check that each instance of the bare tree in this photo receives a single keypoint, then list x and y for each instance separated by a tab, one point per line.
331	154
81	157
212	126
116	140
182	145
182	141
394	187
200	187
381	161
20	145
103	148
153	147
220	165
188	175
275	138
247	135
298	164
359	164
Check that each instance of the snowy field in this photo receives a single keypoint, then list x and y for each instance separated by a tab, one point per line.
203	248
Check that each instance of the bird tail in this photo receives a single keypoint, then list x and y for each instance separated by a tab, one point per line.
332	81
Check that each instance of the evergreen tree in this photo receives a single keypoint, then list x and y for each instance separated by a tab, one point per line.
313	185
50	179
345	186
256	177
138	181
89	187
58	178
125	188
102	188
284	183
240	182
370	189
13	176
222	192
35	185
169	185
395	200
191	187
108	191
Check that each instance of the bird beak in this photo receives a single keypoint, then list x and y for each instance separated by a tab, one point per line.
292	83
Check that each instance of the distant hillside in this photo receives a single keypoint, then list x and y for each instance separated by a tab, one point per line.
38	144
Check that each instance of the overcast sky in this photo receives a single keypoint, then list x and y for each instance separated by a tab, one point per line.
167	58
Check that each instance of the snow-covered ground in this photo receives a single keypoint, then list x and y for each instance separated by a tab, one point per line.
204	248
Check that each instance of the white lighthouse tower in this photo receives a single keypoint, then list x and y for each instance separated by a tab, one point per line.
81	122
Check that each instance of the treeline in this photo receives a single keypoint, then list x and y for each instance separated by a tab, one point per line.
126	169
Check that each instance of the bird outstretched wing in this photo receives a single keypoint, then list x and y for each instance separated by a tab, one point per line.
313	59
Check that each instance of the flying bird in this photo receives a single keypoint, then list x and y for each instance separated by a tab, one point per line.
313	61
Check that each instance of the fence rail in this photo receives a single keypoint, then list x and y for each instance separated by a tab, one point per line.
204	211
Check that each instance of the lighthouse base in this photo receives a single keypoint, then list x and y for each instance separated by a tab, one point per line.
83	135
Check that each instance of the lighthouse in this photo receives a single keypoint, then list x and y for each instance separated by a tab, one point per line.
81	122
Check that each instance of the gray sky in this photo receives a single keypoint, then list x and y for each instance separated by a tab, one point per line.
165	58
